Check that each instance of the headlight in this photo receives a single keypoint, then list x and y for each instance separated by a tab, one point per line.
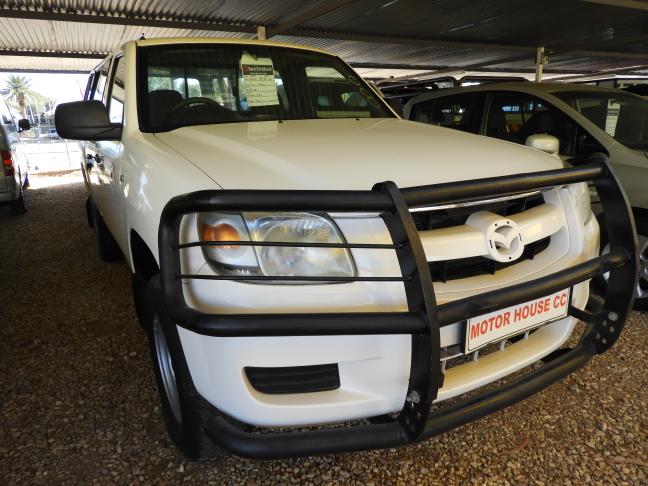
583	203
274	260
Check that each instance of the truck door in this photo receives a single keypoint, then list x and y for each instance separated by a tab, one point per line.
108	154
96	170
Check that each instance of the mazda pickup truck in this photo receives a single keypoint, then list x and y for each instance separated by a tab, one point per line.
317	275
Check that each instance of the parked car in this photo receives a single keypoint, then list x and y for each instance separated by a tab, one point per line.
14	177
51	134
585	120
284	281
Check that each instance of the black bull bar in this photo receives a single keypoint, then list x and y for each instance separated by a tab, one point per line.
424	317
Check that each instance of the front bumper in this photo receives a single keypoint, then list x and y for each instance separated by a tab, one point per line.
423	319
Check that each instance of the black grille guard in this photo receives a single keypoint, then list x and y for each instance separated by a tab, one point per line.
424	317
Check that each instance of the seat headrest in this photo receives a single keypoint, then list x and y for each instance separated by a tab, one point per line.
161	101
543	122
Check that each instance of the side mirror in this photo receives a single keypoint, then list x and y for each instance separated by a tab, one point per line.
544	142
85	120
23	125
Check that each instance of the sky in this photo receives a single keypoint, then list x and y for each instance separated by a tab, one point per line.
61	87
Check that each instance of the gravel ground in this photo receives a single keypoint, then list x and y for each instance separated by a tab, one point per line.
79	403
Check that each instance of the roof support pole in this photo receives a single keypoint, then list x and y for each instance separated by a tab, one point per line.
261	32
541	60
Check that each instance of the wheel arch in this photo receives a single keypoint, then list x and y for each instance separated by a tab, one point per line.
143	260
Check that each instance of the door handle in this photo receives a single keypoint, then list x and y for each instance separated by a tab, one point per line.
122	178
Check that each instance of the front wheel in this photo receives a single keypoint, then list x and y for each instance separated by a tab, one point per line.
641	294
185	412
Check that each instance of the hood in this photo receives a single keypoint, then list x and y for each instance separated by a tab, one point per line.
346	154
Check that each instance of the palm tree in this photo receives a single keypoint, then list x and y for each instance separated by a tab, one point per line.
19	88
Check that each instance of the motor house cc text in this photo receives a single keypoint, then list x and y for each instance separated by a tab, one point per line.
507	320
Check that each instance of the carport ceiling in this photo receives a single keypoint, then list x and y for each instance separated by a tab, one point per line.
581	36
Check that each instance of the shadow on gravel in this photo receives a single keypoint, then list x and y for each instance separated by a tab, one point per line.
79	404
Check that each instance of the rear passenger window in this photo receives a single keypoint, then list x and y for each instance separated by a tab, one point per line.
461	112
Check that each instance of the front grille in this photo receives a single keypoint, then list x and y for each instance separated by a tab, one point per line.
472	267
446	217
294	379
455	216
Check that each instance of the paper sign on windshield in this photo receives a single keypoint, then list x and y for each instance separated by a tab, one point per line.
259	82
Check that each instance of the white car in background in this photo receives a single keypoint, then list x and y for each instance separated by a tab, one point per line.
585	119
285	282
14	177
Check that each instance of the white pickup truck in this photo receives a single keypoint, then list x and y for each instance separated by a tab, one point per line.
302	256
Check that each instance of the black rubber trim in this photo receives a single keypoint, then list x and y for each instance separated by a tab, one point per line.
293	379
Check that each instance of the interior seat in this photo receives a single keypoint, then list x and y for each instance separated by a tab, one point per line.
161	102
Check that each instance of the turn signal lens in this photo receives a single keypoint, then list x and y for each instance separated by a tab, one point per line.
220	232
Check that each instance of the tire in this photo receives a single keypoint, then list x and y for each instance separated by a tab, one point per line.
139	284
641	296
185	412
107	247
18	206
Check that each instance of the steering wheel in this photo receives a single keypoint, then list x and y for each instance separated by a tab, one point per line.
197	100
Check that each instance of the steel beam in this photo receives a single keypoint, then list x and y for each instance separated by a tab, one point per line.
58	54
428	67
137	21
431	42
603	73
43	71
632	4
454	69
307	15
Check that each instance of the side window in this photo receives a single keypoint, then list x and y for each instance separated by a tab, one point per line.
116	105
102	78
460	112
516	116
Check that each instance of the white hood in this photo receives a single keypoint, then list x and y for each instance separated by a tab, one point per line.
346	154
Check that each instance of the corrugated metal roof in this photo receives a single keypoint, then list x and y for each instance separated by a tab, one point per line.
379	32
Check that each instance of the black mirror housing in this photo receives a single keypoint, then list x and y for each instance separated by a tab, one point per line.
85	120
23	125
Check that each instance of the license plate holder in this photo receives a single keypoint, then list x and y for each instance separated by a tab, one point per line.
495	326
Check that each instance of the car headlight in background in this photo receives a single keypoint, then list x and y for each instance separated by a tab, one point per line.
274	260
582	198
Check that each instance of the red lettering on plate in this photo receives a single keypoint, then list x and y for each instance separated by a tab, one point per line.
507	319
518	314
498	321
474	331
560	301
484	327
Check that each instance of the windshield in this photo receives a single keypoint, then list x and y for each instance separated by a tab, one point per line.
622	116
197	84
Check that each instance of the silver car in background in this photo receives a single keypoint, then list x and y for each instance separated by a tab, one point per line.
584	119
14	176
